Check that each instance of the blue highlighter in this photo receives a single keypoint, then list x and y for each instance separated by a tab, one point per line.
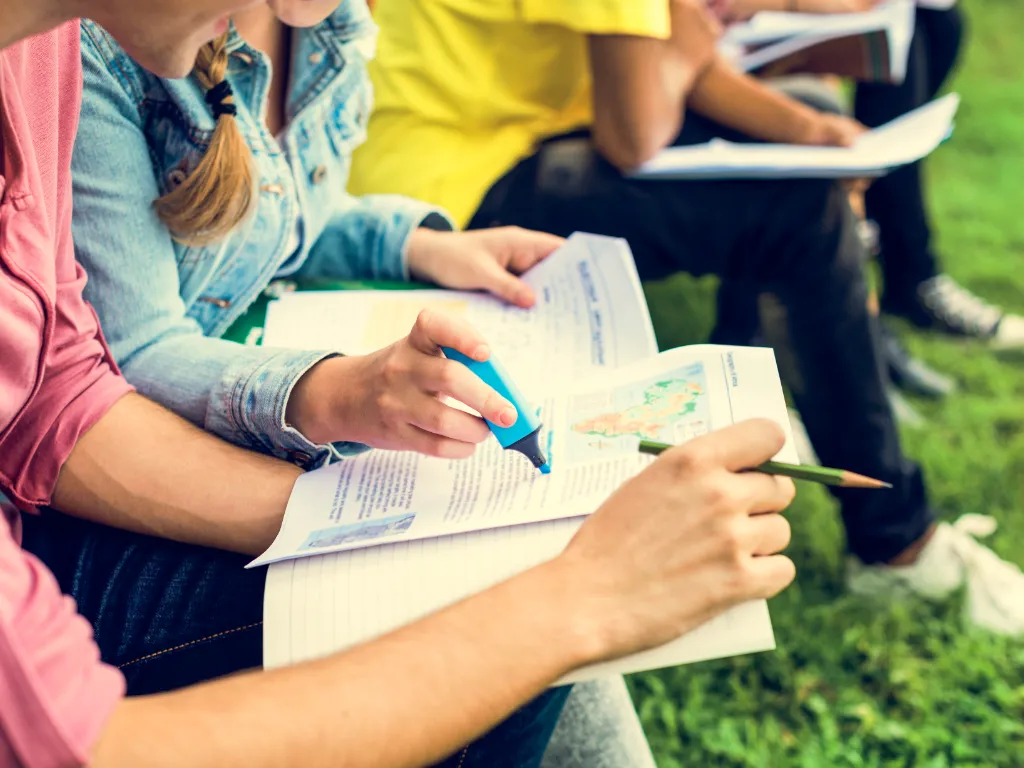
524	435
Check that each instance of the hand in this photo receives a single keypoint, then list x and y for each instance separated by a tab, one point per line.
682	542
828	130
392	398
484	259
835	6
695	33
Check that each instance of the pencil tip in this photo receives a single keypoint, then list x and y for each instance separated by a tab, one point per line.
853	480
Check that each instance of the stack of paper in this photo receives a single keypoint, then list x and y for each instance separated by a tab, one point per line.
380	540
770	36
905	140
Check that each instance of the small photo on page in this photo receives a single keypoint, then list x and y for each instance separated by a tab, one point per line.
366	530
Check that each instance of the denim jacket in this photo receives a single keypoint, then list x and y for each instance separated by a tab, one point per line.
164	305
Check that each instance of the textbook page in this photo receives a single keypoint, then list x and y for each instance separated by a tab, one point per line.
905	140
591	437
314	606
590	313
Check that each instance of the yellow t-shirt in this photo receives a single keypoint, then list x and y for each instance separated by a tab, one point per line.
467	88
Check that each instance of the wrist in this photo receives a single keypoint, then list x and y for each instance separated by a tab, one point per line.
418	253
575	609
318	401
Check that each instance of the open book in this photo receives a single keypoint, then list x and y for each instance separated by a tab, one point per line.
872	45
906	139
381	539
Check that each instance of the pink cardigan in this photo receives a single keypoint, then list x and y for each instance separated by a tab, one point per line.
56	380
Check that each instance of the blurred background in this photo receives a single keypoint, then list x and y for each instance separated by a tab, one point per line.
854	683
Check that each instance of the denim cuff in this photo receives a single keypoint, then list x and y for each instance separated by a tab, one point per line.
248	407
407	216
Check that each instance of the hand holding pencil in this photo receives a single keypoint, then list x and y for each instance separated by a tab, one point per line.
824	475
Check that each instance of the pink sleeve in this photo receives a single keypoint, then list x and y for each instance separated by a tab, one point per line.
55	693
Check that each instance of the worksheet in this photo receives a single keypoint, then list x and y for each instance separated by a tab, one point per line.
590	314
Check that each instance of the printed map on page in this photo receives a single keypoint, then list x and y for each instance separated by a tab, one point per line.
671	408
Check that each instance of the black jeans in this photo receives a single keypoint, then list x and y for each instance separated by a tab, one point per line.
896	202
794	241
170	615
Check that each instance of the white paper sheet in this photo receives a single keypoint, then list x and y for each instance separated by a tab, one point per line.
590	314
905	140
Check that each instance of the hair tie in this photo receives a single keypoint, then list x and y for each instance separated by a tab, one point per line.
217	97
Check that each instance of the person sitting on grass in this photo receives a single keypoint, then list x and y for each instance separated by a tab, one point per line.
915	288
534	113
191	195
159	503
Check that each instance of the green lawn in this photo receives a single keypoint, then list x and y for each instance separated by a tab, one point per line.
860	684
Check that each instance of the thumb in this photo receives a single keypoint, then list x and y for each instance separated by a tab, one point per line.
505	285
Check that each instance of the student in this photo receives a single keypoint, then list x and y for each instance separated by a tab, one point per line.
529	112
250	187
73	434
915	289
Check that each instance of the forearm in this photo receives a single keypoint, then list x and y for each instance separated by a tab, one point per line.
144	469
741	102
408	699
367	238
238	392
638	108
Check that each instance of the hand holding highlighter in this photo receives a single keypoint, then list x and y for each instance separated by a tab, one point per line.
524	435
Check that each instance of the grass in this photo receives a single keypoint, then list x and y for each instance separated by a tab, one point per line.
855	683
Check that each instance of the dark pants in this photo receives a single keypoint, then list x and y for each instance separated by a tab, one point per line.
795	242
896	202
170	615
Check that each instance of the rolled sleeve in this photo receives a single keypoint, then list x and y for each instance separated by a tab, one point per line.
249	406
368	238
79	383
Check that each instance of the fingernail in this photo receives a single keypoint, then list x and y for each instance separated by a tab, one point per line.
508	417
482	353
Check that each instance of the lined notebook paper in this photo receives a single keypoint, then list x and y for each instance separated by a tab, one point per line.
319	605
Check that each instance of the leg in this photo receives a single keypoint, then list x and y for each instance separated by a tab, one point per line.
167	615
896	202
796	242
171	615
599	728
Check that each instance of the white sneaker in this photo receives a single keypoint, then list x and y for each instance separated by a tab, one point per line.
995	588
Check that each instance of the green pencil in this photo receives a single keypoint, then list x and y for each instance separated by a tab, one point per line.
823	475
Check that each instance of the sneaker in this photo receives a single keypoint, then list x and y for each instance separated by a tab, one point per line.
953	557
944	305
908	372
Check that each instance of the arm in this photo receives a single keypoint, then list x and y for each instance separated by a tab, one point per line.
237	392
369	237
641	83
706	540
739	101
144	469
